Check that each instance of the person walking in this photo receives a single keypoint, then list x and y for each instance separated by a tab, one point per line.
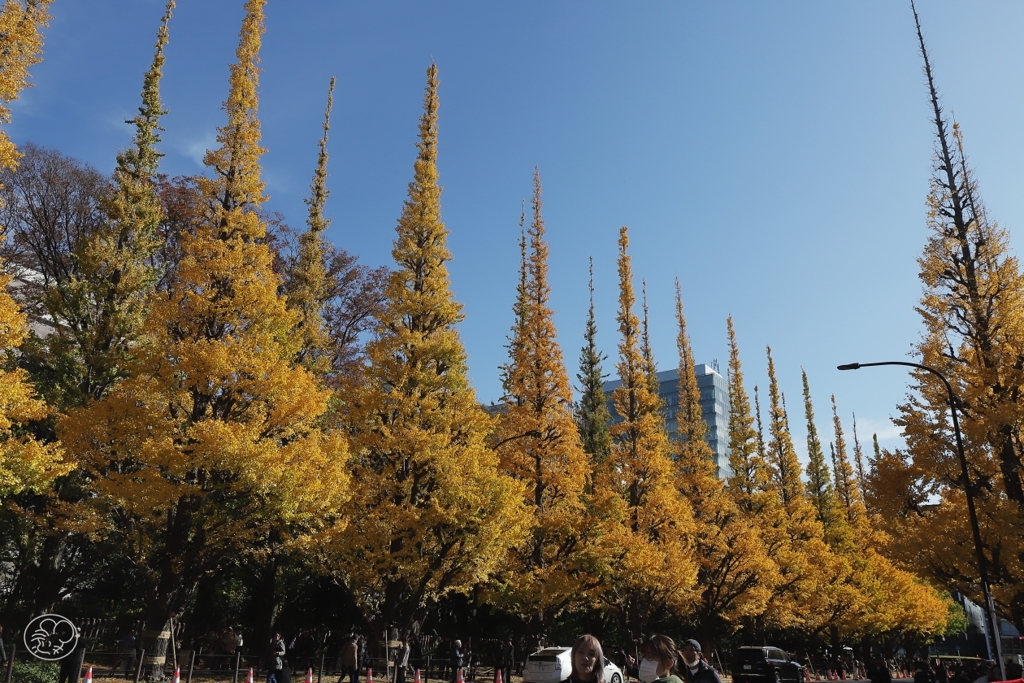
879	672
363	660
508	660
275	659
695	668
126	648
402	660
456	660
350	660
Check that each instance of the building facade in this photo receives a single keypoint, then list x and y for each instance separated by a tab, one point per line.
714	402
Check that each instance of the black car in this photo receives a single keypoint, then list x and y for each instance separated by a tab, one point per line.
765	665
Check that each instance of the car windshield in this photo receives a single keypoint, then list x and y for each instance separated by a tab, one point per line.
752	655
547	655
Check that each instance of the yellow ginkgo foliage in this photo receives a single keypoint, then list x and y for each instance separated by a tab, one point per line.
25	463
735	576
647	524
217	432
433	513
539	444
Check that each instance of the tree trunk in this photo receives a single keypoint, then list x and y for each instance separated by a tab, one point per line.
155	639
268	604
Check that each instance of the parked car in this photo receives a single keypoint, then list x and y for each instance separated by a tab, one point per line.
554	664
765	665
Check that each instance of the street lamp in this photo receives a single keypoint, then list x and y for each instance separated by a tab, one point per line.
990	610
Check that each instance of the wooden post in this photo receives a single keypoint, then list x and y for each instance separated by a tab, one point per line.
174	645
238	661
320	675
10	664
191	666
138	667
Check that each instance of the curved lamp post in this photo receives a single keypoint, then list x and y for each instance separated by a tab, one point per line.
990	611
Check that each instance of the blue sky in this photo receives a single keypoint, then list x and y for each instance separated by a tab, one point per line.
772	156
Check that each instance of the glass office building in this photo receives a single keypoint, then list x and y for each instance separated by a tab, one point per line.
714	402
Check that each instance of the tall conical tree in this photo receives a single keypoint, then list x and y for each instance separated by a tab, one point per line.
25	463
806	565
592	415
436	514
848	489
762	449
819	483
100	309
748	469
540	446
695	455
96	308
734	574
646	350
519	308
215	431
306	284
973	333
647	521
858	458
306	289
781	453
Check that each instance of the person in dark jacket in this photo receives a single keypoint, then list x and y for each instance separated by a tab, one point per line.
879	672
456	660
508	660
275	659
350	660
695	669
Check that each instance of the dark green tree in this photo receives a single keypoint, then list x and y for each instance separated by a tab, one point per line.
592	416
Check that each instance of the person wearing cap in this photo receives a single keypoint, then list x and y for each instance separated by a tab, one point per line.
695	669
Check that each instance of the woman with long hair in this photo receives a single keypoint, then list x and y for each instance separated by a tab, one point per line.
660	657
587	661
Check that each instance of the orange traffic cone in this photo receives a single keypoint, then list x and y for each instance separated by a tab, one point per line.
497	676
460	679
249	676
177	675
309	675
88	675
807	675
417	679
369	676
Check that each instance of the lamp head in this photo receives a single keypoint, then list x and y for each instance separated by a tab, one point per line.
849	366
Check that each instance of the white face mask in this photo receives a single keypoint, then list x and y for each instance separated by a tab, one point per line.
649	670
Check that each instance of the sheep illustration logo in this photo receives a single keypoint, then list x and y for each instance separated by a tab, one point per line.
51	637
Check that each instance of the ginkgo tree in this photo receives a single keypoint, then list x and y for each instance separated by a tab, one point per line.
734	573
645	521
538	443
217	427
434	514
25	462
